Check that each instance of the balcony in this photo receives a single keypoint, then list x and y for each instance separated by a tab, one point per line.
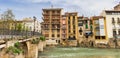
55	17
56	14
55	22
54	28
46	23
64	28
45	18
45	28
45	14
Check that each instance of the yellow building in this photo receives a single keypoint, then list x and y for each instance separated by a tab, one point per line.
72	25
99	29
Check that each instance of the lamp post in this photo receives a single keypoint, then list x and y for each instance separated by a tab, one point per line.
34	18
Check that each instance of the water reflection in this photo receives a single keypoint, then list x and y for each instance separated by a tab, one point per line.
79	53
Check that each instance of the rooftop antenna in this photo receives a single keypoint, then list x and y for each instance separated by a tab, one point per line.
51	6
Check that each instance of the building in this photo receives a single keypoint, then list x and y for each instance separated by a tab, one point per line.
117	7
32	25
99	29
112	21
72	25
51	25
84	27
63	28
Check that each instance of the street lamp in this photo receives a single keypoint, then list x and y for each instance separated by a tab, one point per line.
34	18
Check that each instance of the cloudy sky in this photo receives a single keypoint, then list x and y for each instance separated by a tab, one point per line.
30	8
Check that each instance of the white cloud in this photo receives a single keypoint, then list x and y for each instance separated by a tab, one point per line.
84	7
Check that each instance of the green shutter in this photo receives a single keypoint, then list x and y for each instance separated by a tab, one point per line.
86	26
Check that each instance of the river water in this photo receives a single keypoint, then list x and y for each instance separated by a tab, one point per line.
77	52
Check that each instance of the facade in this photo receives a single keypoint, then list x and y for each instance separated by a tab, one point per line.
72	25
32	25
117	7
99	29
51	25
63	28
84	26
112	21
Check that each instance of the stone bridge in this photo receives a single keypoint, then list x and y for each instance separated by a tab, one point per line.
31	50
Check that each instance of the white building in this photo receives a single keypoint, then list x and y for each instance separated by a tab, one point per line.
112	21
32	25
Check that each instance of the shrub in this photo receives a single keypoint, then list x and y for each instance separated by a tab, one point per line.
35	41
17	44
42	38
14	50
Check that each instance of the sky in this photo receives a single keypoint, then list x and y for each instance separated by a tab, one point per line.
30	8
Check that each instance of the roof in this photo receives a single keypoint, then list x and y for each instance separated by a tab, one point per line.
28	20
71	13
117	5
96	17
52	9
112	11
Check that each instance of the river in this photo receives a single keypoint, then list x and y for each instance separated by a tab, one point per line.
77	52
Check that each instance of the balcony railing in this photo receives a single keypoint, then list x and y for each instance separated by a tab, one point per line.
57	22
45	14
55	13
45	28
45	18
55	28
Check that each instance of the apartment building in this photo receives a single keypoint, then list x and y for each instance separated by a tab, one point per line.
84	26
72	25
99	29
51	25
112	21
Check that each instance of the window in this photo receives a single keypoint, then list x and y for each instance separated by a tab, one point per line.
97	37
69	18
58	35
86	21
80	31
68	21
46	11
113	20
73	21
80	24
114	32
73	17
58	11
53	12
73	26
103	37
74	32
69	27
118	20
119	32
52	35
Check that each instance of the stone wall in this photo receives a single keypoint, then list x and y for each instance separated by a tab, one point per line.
72	42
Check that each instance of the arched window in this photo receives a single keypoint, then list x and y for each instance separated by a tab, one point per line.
118	20
113	20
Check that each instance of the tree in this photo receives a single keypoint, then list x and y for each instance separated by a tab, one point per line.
7	18
8	15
